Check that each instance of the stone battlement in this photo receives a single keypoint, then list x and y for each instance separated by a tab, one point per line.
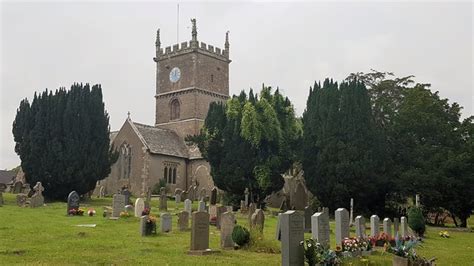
184	47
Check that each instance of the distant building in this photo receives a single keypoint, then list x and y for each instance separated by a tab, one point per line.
189	76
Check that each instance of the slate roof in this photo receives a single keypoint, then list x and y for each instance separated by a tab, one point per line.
162	141
112	136
7	176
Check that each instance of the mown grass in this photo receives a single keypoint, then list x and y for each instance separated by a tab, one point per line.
47	236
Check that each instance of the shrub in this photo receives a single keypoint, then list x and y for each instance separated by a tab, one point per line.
240	235
416	221
158	186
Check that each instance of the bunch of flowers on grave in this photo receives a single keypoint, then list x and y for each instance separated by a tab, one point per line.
404	249
146	211
444	234
150	227
381	239
124	214
316	254
351	244
365	244
91	212
76	212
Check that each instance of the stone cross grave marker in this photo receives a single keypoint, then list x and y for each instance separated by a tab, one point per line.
118	204
37	200
320	228
387	226
166	222
139	207
360	226
72	201
374	225
342	225
227	226
292	233
183	221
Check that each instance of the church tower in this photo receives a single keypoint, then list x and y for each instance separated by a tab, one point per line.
188	78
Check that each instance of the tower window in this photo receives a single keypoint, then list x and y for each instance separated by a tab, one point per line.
212	78
174	109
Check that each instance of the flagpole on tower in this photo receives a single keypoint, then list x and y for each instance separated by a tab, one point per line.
177	26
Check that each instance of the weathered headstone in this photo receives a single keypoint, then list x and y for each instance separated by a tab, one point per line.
292	224
188	206
227	226
177	198
396	225
300	197
201	206
342	225
118	204
21	199
73	201
278	228
307	218
17	187
127	195
360	226
213	196
258	220
183	221
202	194
374	225
143	222
387	226
251	210
199	233
139	207
163	200
37	200
213	214
320	228
166	222
403	226
220	211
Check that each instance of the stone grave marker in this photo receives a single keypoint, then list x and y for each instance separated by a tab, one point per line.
278	228
184	195
292	233
188	206
320	228
199	234
220	211
139	207
374	225
73	201
213	196
396	225
166	222
17	187
342	225
37	200
351	214
243	208
403	226
163	200
230	208
118	204
246	193
307	219
201	206
258	220
213	214
127	195
177	198
21	199
251	211
387	226
227	226
183	221
143	220
190	193
360	226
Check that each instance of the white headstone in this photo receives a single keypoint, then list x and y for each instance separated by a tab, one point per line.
139	207
201	206
320	228
374	225
403	226
166	222
342	225
292	233
360	226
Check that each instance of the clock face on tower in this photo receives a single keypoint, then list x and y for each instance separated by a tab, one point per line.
175	74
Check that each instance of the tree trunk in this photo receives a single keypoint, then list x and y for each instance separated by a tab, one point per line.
454	219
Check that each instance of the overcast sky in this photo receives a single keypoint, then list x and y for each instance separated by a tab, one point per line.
285	45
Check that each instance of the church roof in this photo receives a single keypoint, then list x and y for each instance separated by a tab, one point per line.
7	177
162	141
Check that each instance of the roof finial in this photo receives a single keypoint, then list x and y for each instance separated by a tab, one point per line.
194	31
227	40
128	115
158	42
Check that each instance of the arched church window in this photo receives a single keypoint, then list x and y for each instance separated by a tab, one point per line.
174	175
165	174
125	161
170	173
174	109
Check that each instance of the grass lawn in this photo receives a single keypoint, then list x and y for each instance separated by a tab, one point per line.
47	236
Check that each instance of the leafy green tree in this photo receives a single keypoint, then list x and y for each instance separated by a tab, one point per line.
63	140
250	142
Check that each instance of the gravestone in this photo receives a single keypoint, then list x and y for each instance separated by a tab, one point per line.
417	200
163	200
258	220
213	214
251	211
320	228
374	225
387	226
307	219
227	226
213	196
118	204
143	221
166	222
199	233
37	200
403	226
127	195
230	208
246	193
292	233
73	201
139	207
188	206
201	206
300	198
360	226
21	199
17	187
342	225
177	198
202	194
243	208
351	212
220	211
396	225
183	221
278	228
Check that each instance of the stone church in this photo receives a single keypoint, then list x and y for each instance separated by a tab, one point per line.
189	76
